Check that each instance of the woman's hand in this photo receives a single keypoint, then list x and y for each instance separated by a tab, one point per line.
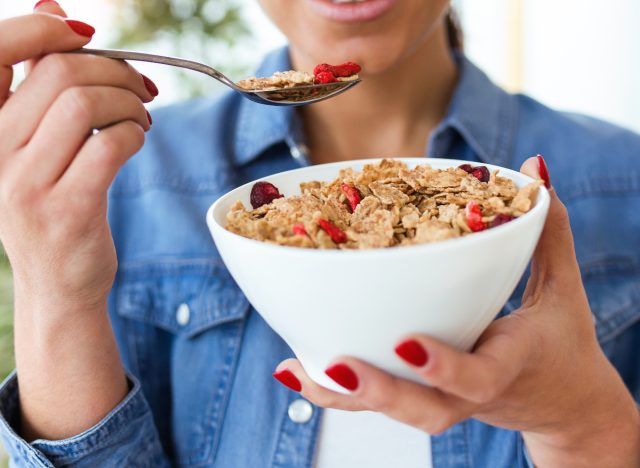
55	170
54	173
538	370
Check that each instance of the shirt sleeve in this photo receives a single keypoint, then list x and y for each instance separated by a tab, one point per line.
127	436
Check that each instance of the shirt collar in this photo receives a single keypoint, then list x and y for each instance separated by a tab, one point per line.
260	126
482	113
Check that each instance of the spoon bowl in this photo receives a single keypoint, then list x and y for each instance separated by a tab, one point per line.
293	96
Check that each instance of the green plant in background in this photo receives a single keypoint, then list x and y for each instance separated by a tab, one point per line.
202	30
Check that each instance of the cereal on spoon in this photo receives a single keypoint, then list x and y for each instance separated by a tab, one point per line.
385	205
322	74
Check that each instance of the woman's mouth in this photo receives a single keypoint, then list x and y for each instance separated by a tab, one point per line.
351	11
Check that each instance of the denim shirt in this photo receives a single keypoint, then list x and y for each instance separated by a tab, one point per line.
199	357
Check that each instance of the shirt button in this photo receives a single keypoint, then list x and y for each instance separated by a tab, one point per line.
300	411
183	314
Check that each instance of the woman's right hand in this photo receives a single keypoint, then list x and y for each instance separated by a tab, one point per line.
54	171
54	174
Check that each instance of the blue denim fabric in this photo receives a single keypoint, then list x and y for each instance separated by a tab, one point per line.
205	396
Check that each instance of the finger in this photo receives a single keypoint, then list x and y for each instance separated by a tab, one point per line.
480	376
54	74
554	259
417	405
70	122
315	393
30	36
96	165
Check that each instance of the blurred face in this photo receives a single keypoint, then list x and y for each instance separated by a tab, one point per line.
378	34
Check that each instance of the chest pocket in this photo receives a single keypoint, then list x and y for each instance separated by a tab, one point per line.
179	326
613	289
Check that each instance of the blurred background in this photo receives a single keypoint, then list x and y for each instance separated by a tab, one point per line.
577	55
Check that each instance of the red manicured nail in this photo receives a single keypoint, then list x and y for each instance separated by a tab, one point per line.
412	352
45	1
151	86
343	376
544	172
286	378
81	28
149	117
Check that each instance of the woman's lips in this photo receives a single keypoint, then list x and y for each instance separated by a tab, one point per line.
366	10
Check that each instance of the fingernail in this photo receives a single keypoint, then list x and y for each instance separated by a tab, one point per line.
343	376
286	378
151	86
149	117
81	28
45	1
544	172
412	352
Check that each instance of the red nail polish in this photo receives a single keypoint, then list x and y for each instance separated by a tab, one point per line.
544	172
286	378
151	86
412	352
45	1
149	117
81	28
343	376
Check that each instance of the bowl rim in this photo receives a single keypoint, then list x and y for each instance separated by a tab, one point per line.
539	209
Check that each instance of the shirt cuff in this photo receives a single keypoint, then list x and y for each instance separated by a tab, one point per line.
124	437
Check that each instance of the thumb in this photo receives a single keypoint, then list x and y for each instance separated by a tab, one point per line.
554	258
50	7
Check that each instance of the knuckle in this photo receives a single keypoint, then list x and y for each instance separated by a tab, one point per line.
78	103
57	68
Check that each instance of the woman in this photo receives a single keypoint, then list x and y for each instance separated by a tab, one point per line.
538	387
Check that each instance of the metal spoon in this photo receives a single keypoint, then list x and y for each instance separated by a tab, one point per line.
294	96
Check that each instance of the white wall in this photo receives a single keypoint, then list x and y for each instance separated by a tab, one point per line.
580	55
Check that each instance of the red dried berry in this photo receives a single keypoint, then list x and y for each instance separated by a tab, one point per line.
479	172
324	78
337	235
352	194
322	67
473	216
346	69
263	193
299	230
501	219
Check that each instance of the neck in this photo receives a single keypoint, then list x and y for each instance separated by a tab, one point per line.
386	115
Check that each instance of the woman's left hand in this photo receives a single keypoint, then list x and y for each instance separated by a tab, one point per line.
539	370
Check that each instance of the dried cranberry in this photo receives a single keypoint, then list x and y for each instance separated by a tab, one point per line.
343	70
346	69
479	172
352	194
299	230
324	78
501	219
473	216
263	193
337	235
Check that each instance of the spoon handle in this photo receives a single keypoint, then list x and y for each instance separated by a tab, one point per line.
173	61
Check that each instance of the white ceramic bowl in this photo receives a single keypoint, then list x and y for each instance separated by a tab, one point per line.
360	303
